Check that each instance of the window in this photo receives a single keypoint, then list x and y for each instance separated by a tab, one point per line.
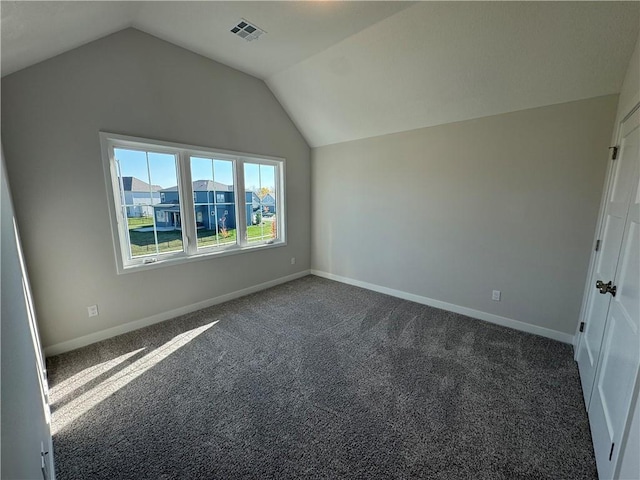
201	201
262	181
215	175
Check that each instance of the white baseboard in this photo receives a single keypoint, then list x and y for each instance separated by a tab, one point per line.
85	340
470	312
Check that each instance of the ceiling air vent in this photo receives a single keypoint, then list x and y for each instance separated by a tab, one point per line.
247	30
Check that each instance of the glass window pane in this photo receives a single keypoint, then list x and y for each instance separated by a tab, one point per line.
146	179
213	188
132	177
223	173
262	201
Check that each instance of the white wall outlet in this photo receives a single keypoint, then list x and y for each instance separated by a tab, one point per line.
496	295
93	310
293	260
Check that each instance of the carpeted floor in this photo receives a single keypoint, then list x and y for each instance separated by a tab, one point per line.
317	379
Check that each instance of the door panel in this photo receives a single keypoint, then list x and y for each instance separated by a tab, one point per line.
619	361
622	184
616	209
628	299
608	259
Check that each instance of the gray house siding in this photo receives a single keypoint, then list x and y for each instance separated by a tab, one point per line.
139	197
140	204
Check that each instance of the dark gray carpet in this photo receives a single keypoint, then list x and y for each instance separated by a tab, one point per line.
317	379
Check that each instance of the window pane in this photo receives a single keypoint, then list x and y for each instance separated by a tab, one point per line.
154	224
262	202
214	195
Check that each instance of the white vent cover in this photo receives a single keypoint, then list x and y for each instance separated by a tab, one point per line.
247	30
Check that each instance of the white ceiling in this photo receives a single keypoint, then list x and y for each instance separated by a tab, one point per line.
349	70
436	63
34	31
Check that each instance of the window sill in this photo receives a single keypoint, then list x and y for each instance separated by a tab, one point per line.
160	263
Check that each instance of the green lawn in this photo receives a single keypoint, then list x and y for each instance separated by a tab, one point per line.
143	243
138	222
260	232
207	238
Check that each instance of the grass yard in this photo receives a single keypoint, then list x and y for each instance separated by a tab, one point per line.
260	232
143	243
139	222
207	238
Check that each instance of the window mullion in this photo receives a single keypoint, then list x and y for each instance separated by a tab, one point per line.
189	228
280	201
155	230
241	204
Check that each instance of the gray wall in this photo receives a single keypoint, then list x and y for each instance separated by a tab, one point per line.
507	202
135	84
23	420
630	91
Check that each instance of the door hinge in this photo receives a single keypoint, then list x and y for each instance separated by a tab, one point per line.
611	452
614	155
597	245
582	326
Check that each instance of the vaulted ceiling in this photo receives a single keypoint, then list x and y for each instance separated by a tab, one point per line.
349	70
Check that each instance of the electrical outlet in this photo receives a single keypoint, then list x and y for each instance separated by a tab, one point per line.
496	295
293	260
93	310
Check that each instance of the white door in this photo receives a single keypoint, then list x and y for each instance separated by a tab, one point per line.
616	208
619	363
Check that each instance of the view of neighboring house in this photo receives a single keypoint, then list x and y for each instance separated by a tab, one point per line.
138	196
214	205
266	206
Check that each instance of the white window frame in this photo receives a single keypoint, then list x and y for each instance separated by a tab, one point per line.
119	226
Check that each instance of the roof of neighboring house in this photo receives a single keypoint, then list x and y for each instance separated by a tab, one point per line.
204	186
268	198
168	207
133	184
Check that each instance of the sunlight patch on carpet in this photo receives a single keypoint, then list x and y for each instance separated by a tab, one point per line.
87	375
68	413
